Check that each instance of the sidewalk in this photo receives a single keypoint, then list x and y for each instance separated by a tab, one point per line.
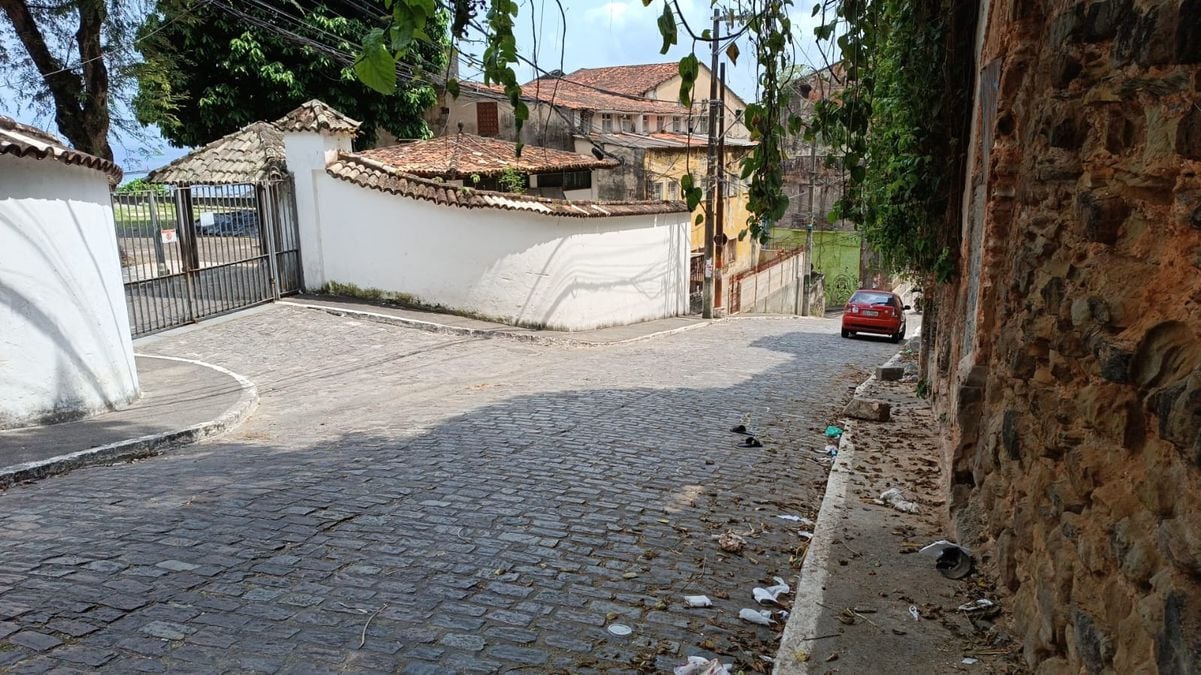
862	575
182	401
460	325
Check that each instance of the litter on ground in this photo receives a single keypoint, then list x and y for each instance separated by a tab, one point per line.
896	499
698	601
699	665
759	616
771	593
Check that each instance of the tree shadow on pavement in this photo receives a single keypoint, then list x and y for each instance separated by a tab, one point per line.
509	536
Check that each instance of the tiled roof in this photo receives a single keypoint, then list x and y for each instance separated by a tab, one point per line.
634	80
249	155
23	140
461	155
567	93
316	116
373	175
663	139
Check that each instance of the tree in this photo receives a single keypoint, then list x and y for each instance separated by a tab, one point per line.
213	66
75	59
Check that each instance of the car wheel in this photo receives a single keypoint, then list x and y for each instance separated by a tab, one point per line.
846	333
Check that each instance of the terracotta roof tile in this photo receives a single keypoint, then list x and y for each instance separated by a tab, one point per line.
567	93
357	169
315	115
634	80
22	140
461	155
249	155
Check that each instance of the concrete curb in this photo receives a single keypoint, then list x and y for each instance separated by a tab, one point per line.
444	329
810	584
143	446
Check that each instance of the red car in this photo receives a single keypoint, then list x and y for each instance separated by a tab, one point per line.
875	311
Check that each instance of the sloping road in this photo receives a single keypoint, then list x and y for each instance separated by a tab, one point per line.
414	502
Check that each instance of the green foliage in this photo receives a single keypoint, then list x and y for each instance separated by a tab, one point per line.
894	123
141	185
667	28
512	180
689	69
500	53
208	73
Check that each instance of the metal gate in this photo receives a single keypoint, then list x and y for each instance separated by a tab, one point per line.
190	253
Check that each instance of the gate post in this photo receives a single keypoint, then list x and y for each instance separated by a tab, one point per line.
267	225
188	253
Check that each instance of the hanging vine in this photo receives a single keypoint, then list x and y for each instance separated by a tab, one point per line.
896	124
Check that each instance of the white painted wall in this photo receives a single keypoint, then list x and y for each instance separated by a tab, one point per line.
303	152
65	349
511	266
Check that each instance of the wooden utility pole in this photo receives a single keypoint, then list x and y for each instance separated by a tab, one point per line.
710	181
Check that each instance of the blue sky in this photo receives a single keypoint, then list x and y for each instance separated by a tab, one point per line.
599	33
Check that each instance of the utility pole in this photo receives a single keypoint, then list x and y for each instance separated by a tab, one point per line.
710	182
719	238
809	225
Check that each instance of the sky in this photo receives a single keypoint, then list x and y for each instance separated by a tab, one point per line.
598	33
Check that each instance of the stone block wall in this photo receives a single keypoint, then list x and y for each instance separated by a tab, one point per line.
1069	372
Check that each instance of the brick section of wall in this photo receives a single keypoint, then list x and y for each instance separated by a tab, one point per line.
1073	391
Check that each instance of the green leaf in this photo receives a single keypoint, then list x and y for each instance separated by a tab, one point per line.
731	53
376	67
667	28
686	182
689	68
452	87
700	218
817	7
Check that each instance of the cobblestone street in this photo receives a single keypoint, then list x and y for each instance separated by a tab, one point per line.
404	501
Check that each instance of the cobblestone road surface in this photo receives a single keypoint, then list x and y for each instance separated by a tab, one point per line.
411	502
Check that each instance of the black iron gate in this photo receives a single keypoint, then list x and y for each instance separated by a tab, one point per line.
195	252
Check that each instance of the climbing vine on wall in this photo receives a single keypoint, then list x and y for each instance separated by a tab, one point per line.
897	123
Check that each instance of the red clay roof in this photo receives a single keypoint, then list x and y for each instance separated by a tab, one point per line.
461	155
598	89
634	80
22	140
370	174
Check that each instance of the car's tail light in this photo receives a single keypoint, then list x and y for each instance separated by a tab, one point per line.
852	309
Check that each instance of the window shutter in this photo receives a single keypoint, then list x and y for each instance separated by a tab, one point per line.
487	123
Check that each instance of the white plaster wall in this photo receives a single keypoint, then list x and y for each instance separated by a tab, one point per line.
304	151
516	267
65	349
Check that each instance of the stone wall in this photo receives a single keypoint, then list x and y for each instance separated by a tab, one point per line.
1066	359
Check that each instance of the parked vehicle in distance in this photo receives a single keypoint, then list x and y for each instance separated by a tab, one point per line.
243	223
875	311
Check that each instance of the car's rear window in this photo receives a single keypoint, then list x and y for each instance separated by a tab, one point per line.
872	298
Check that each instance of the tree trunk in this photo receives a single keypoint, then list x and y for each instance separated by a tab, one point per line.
80	102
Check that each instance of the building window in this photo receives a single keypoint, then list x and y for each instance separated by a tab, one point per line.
677	124
487	123
627	123
660	123
606	123
659	189
673	190
585	121
568	180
